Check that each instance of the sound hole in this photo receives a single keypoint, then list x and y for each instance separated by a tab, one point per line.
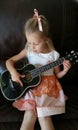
27	77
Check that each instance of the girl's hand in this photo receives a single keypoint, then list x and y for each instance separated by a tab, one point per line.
66	65
17	77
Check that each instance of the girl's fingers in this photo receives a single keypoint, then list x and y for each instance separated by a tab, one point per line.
22	76
21	83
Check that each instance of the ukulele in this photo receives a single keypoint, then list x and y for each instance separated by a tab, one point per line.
12	90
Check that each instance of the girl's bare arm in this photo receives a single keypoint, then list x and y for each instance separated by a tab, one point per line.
10	66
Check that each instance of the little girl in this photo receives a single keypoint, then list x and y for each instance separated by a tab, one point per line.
47	98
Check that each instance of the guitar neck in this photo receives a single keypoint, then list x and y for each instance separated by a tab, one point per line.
40	70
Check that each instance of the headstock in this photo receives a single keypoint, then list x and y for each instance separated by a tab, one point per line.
72	56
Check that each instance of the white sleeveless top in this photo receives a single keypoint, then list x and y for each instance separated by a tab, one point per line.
41	59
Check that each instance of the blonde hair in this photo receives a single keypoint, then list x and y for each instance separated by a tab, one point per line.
32	26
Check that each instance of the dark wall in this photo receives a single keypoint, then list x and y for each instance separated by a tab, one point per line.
62	17
13	15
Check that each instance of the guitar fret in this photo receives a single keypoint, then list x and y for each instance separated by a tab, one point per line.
38	71
54	63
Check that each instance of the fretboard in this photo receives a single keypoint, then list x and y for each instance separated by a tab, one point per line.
40	70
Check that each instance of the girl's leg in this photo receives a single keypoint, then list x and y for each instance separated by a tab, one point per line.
28	120
46	123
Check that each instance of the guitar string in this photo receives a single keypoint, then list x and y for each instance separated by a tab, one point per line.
35	72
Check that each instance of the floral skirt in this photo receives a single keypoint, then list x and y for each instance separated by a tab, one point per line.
45	99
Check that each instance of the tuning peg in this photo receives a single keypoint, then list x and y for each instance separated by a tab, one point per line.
72	51
77	61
